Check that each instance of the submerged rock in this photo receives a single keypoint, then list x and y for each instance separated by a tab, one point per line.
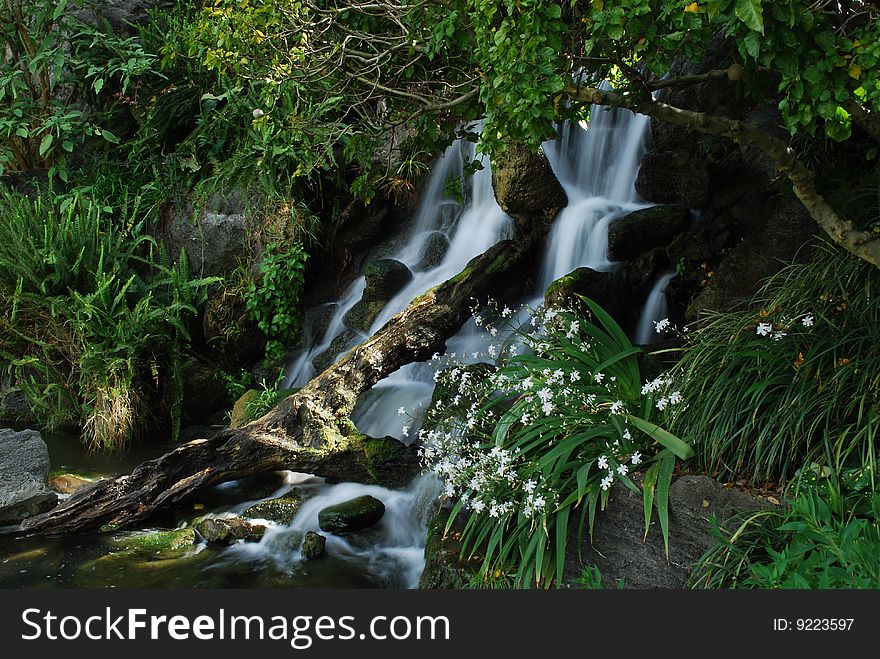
280	510
226	530
313	545
353	515
23	473
433	251
68	483
157	541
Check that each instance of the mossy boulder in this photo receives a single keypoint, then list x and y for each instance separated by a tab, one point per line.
247	407
226	530
433	251
444	566
385	278
353	515
313	545
362	315
280	510
157	541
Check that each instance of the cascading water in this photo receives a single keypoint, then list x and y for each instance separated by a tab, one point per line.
655	309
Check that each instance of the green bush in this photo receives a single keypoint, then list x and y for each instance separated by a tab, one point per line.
766	383
532	448
95	320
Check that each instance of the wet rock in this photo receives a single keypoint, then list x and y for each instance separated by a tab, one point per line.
444	566
353	515
526	187
14	405
313	545
66	483
607	288
24	469
385	278
673	177
619	548
638	232
433	252
157	541
280	510
325	359
226	530
241	410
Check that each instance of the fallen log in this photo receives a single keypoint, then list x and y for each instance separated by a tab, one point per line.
310	431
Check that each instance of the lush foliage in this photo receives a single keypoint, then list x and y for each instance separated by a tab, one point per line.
531	449
766	383
95	325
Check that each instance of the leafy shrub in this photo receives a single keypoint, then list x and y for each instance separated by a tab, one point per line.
96	320
532	447
767	382
273	300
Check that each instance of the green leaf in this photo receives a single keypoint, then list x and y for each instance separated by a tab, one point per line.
714	6
680	448
46	143
750	12
664	480
98	85
110	137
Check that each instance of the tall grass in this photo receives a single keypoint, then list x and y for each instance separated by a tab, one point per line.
94	321
760	406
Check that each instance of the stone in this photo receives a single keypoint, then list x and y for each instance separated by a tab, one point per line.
643	230
362	315
444	566
66	483
353	515
385	278
325	359
204	391
241	415
313	545
674	177
24	469
607	288
280	510
226	530
433	251
526	187
619	547
14	405
157	541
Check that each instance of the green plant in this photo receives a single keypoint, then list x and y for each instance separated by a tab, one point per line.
531	449
270	396
591	579
273	301
96	321
767	382
40	123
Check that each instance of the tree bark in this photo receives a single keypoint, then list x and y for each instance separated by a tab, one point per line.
309	431
863	244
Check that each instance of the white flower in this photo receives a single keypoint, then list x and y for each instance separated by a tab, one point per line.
545	395
778	335
636	458
401	411
807	321
539	503
607	481
623	470
506	312
492	351
575	376
257	113
525	418
527	383
764	329
599	377
617	407
547	408
661	325
573	329
529	486
602	463
675	398
478	506
627	435
662	403
405	431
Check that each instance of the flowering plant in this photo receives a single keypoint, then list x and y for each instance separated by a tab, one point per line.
543	433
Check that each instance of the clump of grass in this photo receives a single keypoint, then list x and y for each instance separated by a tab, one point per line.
765	383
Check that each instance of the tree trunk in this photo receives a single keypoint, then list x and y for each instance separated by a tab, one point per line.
309	431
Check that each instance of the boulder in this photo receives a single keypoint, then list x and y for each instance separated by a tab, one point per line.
23	473
607	288
619	547
353	515
241	414
67	483
674	177
444	566
384	279
362	315
313	545
526	187
643	230
14	405
280	510
157	541
226	530
433	251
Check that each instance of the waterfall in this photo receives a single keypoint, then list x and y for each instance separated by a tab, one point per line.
596	164
656	308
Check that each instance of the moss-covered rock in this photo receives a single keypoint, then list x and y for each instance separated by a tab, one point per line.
313	545
157	541
69	482
362	315
444	567
353	515
280	510
226	530
248	407
644	229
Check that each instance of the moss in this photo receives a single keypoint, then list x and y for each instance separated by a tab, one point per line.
158	541
248	407
281	510
380	452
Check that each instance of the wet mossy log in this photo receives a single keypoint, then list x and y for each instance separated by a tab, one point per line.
310	431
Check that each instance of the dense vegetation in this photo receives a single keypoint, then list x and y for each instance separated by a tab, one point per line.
313	106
